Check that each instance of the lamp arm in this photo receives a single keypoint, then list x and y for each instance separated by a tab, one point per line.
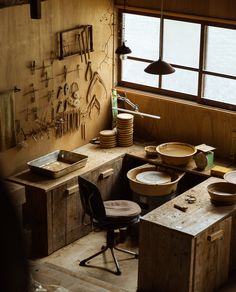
129	102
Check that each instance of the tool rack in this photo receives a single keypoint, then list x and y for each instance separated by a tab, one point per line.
78	40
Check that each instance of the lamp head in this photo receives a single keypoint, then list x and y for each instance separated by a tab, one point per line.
159	67
123	51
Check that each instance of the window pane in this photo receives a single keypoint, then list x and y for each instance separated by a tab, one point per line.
181	81
181	43
220	89
221	50
133	71
142	35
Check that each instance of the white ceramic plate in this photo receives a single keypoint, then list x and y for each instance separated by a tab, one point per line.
153	177
230	177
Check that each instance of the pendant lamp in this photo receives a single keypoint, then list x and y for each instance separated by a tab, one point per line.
123	50
35	9
160	67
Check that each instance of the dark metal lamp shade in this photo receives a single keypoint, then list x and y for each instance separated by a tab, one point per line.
35	9
123	50
159	67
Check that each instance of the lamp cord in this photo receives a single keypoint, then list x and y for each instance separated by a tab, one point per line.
123	21
161	32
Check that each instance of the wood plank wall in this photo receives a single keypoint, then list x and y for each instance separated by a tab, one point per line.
24	40
209	8
184	122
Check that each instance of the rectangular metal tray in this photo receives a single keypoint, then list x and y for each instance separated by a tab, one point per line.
57	163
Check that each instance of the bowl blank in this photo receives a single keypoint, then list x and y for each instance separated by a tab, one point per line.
222	193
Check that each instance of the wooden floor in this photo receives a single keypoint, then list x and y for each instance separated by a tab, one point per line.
61	271
99	275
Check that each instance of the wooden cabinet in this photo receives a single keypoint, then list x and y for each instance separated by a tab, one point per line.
55	217
186	251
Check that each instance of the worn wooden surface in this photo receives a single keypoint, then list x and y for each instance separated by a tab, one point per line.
96	158
199	215
191	248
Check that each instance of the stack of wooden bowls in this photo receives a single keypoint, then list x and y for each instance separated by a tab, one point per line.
125	129
108	139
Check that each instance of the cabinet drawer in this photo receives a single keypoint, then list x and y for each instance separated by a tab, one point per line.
212	255
108	179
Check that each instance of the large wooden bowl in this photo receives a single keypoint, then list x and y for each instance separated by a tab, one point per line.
157	189
222	193
176	153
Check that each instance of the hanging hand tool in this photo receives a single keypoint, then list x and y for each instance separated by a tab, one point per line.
66	88
58	106
65	72
87	40
74	87
32	67
80	47
96	77
84	49
65	105
59	91
88	72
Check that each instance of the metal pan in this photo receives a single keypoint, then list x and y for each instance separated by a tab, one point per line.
57	163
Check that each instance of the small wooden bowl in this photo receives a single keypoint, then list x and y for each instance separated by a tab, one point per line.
151	151
222	193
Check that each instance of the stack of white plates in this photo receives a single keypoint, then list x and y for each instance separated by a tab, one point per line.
108	139
125	129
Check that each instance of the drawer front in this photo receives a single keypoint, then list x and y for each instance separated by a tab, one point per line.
108	179
212	255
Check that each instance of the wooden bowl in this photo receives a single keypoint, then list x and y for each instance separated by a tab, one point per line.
222	193
151	151
157	189
176	153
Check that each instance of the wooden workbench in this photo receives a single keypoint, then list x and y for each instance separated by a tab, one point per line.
187	251
53	208
96	157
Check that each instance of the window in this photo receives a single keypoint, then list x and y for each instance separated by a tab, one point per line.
203	55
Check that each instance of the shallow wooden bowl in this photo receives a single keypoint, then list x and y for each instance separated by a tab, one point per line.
222	193
176	153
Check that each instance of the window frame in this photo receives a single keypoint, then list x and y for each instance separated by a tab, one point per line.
204	22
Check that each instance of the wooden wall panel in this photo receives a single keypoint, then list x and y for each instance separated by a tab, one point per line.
184	122
24	40
209	8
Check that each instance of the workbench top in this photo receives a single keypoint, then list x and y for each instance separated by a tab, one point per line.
198	217
97	156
